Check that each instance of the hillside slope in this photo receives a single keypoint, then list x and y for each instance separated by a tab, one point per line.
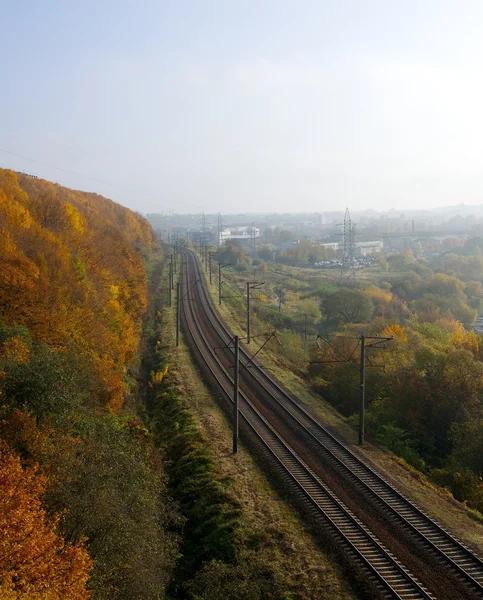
72	271
82	501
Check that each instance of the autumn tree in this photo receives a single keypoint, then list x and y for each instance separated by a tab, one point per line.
34	559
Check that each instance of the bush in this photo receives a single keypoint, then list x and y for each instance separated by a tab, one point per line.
211	513
397	440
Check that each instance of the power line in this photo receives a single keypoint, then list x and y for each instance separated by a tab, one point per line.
122	187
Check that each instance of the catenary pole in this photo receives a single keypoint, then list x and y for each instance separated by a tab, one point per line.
248	312
235	397
362	389
178	304
219	284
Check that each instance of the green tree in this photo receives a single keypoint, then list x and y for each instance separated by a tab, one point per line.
400	262
473	246
347	305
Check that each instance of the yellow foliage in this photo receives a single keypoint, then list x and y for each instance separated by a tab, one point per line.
76	219
7	245
15	349
291	297
18	215
114	291
397	332
157	378
377	294
459	335
466	339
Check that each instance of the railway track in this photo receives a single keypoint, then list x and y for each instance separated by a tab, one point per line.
264	401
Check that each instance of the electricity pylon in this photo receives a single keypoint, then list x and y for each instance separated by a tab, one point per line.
348	267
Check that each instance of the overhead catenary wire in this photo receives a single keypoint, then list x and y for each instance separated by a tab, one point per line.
439	441
103	182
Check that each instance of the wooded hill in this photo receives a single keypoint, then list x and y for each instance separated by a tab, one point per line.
81	496
72	271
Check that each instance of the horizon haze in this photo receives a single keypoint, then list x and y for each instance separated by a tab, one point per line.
263	107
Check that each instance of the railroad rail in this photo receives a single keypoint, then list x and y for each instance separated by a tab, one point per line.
387	577
465	565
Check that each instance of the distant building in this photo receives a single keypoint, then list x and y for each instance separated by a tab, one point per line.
478	326
366	248
360	248
245	234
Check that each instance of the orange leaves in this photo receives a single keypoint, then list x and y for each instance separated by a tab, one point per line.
72	271
34	560
397	332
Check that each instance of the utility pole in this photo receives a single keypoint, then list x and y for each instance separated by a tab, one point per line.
169	282
376	343
210	254
203	225
178	304
220	266
236	378
248	312
305	329
235	397
362	379
219	284
254	285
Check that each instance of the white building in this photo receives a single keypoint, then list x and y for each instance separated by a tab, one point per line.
243	234
366	248
478	326
360	248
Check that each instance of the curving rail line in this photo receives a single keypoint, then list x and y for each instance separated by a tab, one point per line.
389	579
462	562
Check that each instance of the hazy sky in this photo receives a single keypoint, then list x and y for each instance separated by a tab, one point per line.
243	105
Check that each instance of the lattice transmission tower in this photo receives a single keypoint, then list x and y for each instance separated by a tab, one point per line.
348	268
